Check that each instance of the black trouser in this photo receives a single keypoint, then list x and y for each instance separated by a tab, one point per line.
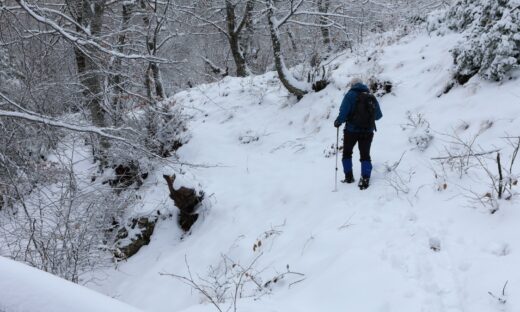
364	142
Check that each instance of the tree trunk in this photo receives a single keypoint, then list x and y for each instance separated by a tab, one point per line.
93	81
238	56
362	26
148	82
157	78
234	36
118	80
278	57
323	7
89	14
291	39
153	80
246	37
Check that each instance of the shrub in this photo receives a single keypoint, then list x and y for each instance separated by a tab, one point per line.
166	129
491	45
419	128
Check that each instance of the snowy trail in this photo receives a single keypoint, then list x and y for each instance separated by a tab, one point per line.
359	251
298	184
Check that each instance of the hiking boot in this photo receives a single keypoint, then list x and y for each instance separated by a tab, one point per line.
364	183
349	178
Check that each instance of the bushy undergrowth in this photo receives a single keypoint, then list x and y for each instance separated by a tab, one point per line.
491	44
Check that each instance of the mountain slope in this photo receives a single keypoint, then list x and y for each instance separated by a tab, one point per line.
411	242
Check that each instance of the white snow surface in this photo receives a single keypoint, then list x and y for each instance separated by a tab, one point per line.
425	247
26	289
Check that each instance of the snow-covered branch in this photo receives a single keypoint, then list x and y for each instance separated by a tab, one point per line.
102	132
78	40
60	124
205	20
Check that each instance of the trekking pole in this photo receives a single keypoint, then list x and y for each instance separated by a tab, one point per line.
337	151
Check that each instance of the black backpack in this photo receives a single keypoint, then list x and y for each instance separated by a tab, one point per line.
362	115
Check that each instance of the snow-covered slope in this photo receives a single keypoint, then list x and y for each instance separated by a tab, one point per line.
412	242
26	289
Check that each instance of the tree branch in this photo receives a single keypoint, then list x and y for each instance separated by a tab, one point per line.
79	41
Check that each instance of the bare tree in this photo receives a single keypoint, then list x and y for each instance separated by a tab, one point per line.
236	20
235	28
154	22
118	79
88	15
59	227
294	87
323	7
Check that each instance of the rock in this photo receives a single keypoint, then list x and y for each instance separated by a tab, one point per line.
320	85
435	244
132	237
380	87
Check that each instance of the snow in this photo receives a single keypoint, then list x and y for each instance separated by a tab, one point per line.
26	289
423	248
412	242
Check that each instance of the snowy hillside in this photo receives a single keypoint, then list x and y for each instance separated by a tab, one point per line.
419	239
25	289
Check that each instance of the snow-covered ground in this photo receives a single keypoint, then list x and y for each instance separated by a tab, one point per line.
26	289
414	241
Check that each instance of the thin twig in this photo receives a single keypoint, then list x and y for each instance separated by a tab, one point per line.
465	156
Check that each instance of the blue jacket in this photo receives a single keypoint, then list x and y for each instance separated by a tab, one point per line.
348	103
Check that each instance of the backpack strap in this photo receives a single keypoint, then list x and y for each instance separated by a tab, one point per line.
373	100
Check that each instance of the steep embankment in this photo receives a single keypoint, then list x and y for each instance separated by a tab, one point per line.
412	242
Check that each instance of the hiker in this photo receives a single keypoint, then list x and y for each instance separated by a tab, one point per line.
359	110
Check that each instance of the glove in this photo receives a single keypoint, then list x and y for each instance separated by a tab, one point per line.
337	124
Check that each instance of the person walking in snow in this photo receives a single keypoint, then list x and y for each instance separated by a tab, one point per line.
359	110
